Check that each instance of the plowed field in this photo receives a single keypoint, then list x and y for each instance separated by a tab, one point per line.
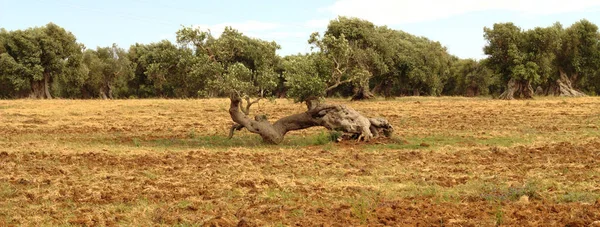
451	162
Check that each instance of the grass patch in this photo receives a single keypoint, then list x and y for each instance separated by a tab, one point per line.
470	191
499	216
362	205
184	204
500	193
437	141
577	196
297	213
7	191
280	195
150	175
503	141
222	142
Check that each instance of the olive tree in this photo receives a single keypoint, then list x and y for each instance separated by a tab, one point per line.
33	58
246	69
509	59
109	69
578	59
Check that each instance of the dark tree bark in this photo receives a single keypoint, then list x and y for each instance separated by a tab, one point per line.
332	117
416	92
362	93
37	89
110	91
517	89
539	91
106	92
40	89
472	90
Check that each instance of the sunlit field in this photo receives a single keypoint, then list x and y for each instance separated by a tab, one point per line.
451	162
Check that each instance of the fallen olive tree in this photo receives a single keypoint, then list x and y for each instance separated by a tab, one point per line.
340	118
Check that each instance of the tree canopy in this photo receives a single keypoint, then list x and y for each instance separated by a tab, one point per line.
351	58
32	59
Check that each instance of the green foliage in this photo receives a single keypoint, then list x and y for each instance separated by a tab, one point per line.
237	78
469	78
302	77
353	57
538	55
105	74
234	62
579	55
163	69
35	56
507	56
392	61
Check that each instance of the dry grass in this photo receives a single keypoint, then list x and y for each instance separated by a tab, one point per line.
452	161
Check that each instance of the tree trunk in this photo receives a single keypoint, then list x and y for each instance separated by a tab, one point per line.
332	117
103	94
110	91
362	93
378	88
416	92
470	92
37	89
539	91
47	85
516	89
564	87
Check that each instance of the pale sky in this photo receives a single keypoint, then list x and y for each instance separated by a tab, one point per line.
457	24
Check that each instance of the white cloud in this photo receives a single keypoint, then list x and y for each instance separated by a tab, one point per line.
407	11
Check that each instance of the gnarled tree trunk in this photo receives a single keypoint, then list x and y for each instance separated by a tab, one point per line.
517	89
564	87
110	91
103	94
106	92
362	93
40	89
539	91
332	117
37	89
47	85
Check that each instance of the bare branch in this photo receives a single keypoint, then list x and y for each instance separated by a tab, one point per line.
338	84
246	110
234	127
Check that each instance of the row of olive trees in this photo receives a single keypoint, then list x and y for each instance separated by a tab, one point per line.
353	58
555	60
44	62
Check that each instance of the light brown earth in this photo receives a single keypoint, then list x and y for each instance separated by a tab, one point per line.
451	162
